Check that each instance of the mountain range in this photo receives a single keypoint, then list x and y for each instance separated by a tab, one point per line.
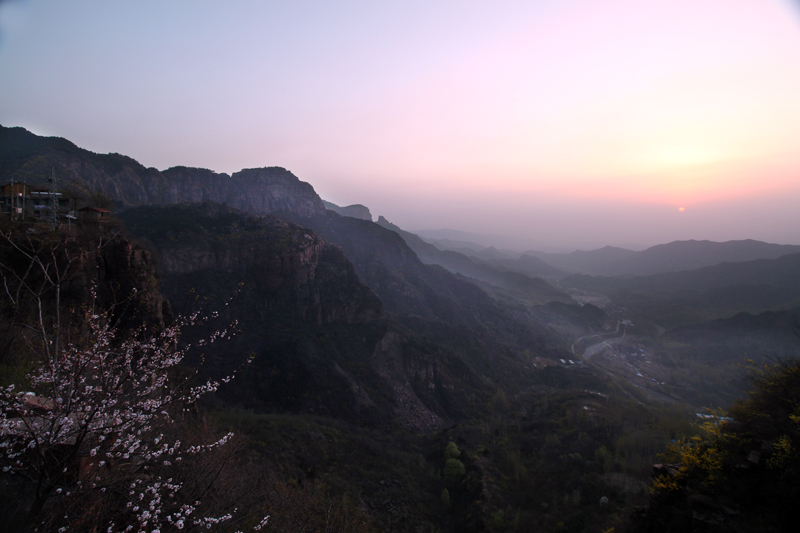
387	338
671	257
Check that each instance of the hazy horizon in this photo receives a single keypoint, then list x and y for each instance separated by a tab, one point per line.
568	125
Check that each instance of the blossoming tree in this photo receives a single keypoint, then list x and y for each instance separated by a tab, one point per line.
93	440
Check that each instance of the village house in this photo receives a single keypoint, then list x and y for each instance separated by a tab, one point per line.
94	214
22	201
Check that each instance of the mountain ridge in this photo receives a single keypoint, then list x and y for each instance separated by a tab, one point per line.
27	157
670	257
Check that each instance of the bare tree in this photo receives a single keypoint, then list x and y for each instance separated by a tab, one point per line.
94	436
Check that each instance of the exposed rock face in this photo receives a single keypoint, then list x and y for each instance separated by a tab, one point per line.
273	190
283	268
184	184
353	211
393	367
125	270
113	275
28	157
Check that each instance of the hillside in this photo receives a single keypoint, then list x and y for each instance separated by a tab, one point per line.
672	257
601	261
83	174
417	389
503	283
725	289
489	335
355	210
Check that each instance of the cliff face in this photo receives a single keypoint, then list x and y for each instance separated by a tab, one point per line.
28	157
272	190
302	313
354	211
401	374
86	271
126	276
283	268
256	190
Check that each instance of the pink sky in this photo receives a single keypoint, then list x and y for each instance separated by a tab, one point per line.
570	123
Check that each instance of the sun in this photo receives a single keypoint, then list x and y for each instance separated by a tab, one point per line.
681	209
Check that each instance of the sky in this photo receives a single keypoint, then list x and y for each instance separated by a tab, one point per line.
557	124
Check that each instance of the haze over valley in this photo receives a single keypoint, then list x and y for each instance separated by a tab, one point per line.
559	124
408	267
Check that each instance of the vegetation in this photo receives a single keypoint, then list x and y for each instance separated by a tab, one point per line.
743	471
92	432
324	417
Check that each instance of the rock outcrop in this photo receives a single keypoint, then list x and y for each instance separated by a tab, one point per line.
283	268
81	173
354	211
398	373
86	270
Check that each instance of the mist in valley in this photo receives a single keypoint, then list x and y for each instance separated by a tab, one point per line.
420	267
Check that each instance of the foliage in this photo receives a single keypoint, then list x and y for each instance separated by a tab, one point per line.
451	451
453	472
95	430
699	458
90	444
748	460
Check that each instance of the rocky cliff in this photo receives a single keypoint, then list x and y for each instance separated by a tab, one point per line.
84	270
81	173
255	190
283	268
354	211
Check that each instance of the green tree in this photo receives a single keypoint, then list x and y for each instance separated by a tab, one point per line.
454	472
446	498
751	457
451	451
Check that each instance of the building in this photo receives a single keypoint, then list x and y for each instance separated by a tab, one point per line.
94	214
22	201
14	198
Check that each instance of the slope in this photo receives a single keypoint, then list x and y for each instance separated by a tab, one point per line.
671	257
502	283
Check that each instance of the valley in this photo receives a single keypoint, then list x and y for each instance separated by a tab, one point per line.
417	384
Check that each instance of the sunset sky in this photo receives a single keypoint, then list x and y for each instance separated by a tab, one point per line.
562	124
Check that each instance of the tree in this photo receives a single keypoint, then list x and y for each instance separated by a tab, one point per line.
451	451
748	460
453	472
94	438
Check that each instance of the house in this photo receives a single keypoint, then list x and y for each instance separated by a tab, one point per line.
14	198
21	201
94	214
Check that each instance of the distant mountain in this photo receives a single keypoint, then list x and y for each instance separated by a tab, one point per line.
455	235
492	253
528	265
690	296
82	174
355	210
451	244
690	255
604	261
472	249
671	257
772	334
782	272
502	283
504	260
